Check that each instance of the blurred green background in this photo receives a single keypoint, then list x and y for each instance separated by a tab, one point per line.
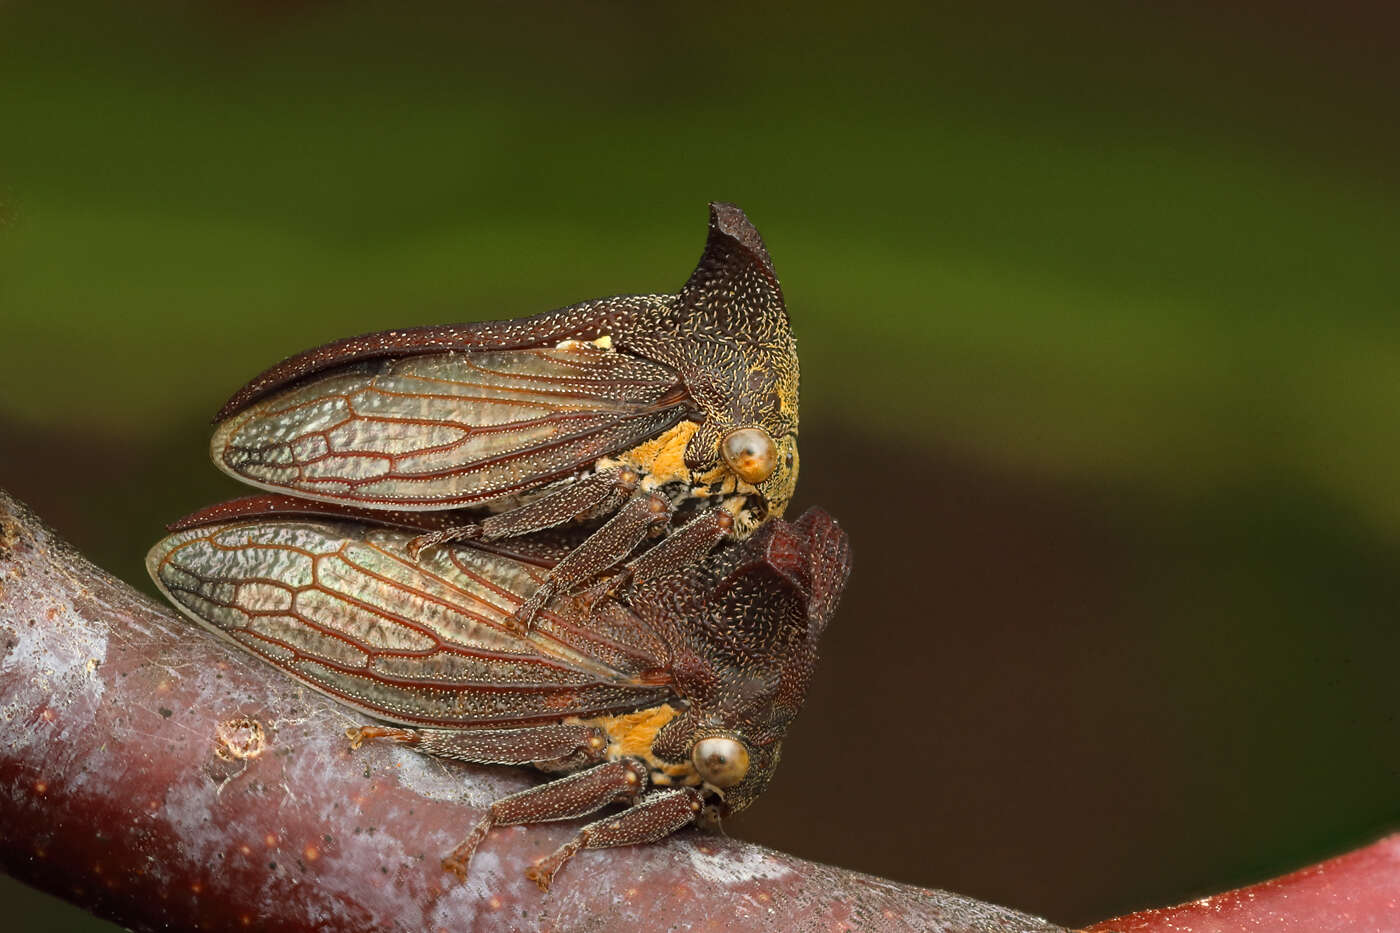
1097	308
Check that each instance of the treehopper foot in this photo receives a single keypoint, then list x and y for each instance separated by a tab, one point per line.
358	735
433	539
457	866
543	871
460	858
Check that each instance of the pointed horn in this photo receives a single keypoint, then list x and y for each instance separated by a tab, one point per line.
735	261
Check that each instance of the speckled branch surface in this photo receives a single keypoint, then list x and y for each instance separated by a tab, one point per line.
160	778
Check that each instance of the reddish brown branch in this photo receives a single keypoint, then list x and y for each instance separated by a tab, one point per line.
160	778
1354	893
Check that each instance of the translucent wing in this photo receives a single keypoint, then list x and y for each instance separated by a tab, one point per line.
446	430
340	607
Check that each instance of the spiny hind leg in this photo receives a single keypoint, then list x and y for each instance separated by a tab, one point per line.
599	552
600	494
685	546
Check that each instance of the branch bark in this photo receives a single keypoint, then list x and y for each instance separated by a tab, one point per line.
1358	892
160	778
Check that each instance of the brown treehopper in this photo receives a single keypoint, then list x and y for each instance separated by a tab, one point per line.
635	413
672	698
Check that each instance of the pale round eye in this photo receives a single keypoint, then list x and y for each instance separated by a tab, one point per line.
750	453
722	762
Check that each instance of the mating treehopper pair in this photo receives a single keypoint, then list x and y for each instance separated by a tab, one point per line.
445	542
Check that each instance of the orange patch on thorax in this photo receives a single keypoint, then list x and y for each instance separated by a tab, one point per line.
631	735
662	458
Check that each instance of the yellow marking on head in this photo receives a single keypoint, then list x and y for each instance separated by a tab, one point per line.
779	487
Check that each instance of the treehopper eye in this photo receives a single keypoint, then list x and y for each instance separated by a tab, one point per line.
720	760
632	700
637	414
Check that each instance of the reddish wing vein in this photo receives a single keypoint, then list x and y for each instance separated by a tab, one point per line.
342	608
450	429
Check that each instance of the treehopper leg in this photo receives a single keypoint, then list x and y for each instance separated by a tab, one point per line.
655	817
565	798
